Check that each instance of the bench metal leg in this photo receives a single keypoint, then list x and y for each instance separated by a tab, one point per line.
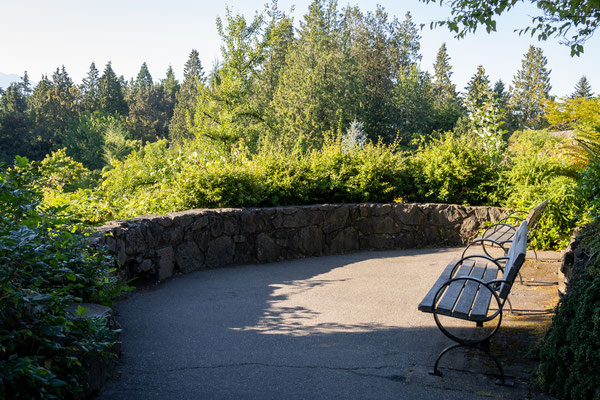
480	346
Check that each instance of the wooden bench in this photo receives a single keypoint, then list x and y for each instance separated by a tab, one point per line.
502	233
465	291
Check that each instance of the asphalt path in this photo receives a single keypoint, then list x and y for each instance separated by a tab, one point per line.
336	327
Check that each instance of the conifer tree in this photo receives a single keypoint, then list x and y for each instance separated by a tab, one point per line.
111	96
186	98
583	89
224	112
413	98
15	125
443	88
448	108
484	113
530	88
148	118
478	89
406	42
90	89
170	87
53	105
26	84
369	37
279	36
312	96
144	79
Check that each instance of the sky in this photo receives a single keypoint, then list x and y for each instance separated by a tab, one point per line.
39	35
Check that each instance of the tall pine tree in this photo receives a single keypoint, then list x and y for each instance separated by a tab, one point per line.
312	97
224	112
186	98
583	90
406	43
15	125
443	88
530	88
111	96
144	79
90	90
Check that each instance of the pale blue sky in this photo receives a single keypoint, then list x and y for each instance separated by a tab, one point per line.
40	35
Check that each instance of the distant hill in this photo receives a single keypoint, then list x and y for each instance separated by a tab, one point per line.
7	79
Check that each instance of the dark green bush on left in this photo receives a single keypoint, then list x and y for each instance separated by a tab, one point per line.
46	265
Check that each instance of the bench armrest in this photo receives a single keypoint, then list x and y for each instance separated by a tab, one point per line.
488	258
496	226
483	241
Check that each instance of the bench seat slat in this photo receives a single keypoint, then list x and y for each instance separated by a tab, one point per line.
465	302
482	302
427	302
453	291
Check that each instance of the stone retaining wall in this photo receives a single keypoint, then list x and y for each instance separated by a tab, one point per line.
157	246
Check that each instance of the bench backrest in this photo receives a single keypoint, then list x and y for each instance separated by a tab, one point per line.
534	216
516	257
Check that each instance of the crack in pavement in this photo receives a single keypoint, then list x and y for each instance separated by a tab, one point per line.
353	370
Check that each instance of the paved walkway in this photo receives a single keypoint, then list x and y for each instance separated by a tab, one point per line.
338	327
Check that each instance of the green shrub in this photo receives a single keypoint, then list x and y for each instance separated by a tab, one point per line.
454	169
570	351
158	180
539	169
46	265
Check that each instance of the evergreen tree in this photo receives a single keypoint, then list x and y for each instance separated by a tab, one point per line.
90	89
406	42
413	97
369	37
148	117
531	87
15	125
313	97
170	87
53	105
583	89
26	85
443	88
111	96
279	36
478	89
483	111
447	104
186	98
144	79
224	112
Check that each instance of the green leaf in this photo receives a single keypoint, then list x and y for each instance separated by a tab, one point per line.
81	310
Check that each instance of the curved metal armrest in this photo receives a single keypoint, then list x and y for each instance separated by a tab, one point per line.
459	262
495	226
506	219
518	212
483	241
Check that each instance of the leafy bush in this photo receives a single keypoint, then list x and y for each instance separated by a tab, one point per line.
570	351
454	169
158	180
46	266
538	170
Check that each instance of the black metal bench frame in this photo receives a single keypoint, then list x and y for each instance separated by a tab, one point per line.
497	288
506	231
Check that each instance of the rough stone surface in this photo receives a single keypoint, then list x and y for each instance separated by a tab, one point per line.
160	245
